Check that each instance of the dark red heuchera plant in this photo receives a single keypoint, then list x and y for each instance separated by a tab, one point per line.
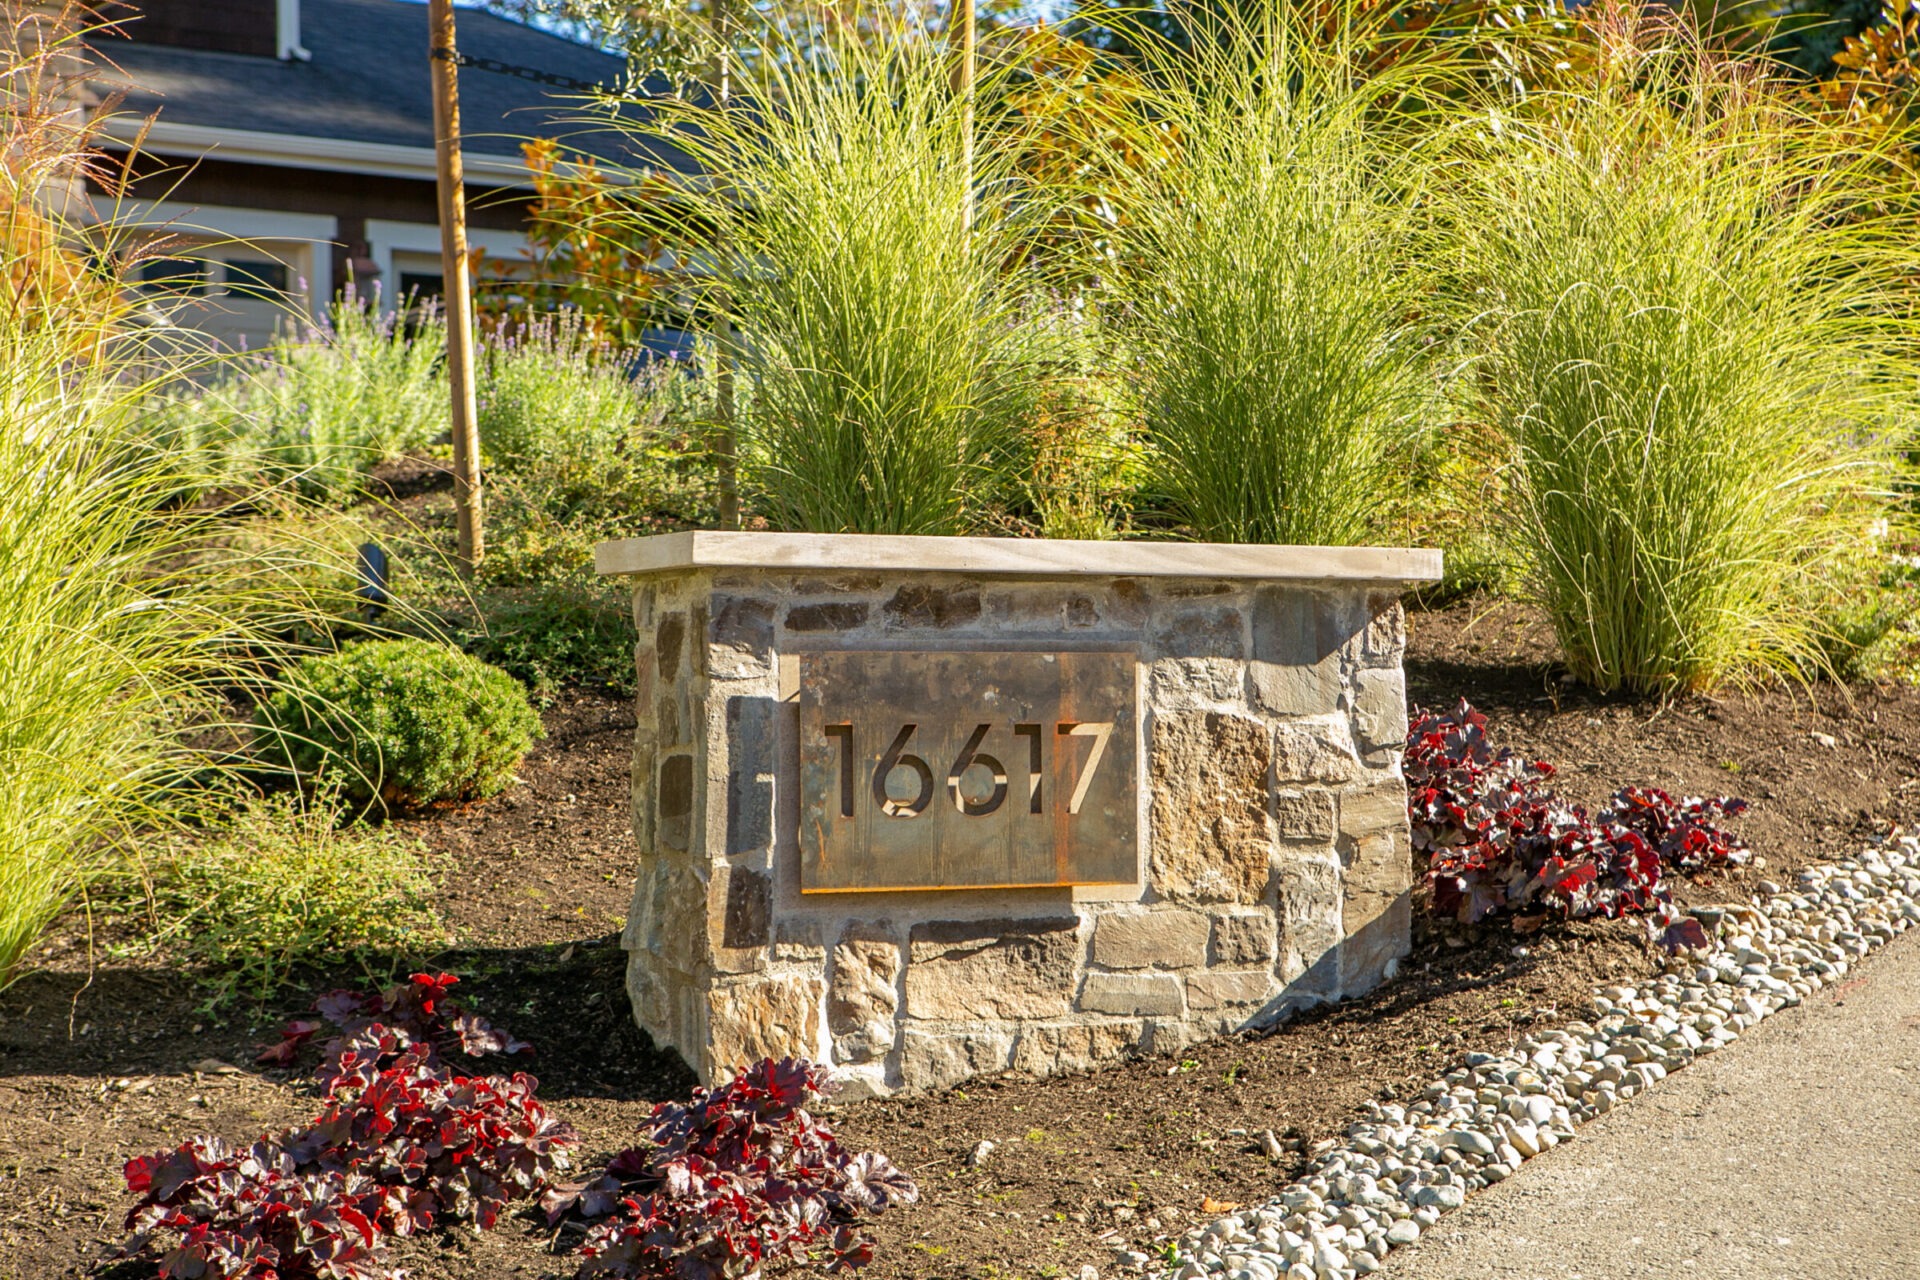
1497	838
416	1011
402	1144
731	1180
247	1212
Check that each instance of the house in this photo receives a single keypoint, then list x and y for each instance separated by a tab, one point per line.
287	146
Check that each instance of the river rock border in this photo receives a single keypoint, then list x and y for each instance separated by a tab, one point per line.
1402	1166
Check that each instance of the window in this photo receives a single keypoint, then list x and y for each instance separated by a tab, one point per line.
248	278
418	286
173	277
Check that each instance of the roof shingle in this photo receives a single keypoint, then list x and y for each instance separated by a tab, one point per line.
369	81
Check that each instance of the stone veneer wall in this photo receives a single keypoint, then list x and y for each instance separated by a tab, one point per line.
1275	860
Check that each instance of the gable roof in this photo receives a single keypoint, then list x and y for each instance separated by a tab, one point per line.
367	86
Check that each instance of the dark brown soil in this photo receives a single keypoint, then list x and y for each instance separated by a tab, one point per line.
98	1064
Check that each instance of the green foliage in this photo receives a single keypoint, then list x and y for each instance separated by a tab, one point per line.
889	353
1869	607
1696	334
280	886
406	722
321	407
548	388
1269	286
1807	34
573	630
586	453
124	622
1080	464
591	255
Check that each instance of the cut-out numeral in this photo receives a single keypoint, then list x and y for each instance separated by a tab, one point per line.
844	732
897	756
1031	732
1099	731
969	756
893	759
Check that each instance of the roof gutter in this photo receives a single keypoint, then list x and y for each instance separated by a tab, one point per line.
298	151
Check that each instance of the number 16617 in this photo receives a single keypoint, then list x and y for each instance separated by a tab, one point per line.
976	782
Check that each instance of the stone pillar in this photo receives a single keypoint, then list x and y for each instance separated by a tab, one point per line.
1267	801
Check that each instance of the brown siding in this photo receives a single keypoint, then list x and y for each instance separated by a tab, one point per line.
228	26
350	197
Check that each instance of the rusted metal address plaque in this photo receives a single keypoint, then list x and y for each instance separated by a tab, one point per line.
966	770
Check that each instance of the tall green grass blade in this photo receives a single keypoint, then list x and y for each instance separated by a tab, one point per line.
892	354
125	620
1268	283
1699	334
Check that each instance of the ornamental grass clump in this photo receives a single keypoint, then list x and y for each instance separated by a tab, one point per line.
404	722
870	277
1267	282
125	618
1695	301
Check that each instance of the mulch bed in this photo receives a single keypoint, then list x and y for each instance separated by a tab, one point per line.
97	1061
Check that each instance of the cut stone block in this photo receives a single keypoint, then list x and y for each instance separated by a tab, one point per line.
776	1016
862	1000
1212	823
1243	938
1134	994
991	970
1218	989
1151	939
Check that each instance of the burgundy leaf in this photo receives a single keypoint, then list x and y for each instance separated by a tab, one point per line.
1498	840
734	1178
1684	933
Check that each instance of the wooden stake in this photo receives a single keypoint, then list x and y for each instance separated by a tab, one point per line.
963	77
725	443
468	499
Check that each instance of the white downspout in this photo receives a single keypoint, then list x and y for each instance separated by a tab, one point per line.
287	32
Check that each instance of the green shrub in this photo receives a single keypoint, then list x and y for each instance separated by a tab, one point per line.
547	511
1269	284
282	887
548	389
320	407
406	722
887	354
569	631
1697	328
1869	613
1078	468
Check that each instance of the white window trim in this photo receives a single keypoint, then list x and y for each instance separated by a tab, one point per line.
318	231
287	32
385	238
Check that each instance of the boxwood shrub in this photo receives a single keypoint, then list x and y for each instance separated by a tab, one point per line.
404	722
